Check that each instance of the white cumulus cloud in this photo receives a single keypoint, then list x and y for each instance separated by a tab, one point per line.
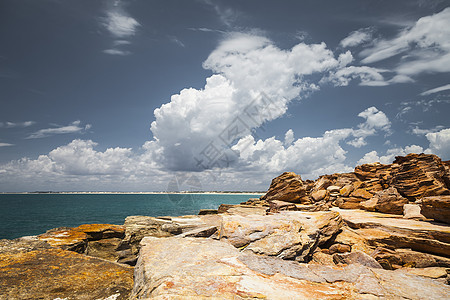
253	83
439	143
119	24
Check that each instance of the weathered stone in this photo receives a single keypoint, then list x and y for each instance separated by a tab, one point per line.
339	248
288	234
361	193
333	189
421	175
386	201
356	257
432	272
412	211
322	258
437	208
320	195
388	259
204	268
242	210
287	187
77	238
23	244
200	232
276	206
416	259
346	190
208	212
59	274
105	248
389	231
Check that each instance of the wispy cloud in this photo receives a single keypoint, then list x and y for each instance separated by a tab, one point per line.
16	124
357	37
116	52
418	131
227	16
175	40
425	46
6	144
436	90
121	26
74	127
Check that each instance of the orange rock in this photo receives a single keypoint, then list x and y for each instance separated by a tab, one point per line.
361	193
287	187
437	208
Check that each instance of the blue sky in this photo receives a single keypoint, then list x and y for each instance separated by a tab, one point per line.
216	95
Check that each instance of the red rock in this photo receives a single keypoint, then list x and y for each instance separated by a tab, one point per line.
287	187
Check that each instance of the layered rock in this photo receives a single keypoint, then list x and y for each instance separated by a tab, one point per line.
386	201
287	187
421	175
437	208
288	234
205	268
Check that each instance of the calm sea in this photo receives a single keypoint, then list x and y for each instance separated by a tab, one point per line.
32	214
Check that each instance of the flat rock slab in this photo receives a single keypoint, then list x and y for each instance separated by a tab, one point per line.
55	273
199	268
383	230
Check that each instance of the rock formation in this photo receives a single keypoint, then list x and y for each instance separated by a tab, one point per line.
379	232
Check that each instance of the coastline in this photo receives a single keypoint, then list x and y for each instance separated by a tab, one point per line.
134	193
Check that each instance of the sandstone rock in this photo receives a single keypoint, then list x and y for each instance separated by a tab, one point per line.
437	208
104	248
287	187
356	257
339	248
346	190
412	211
361	193
386	201
333	189
256	202
320	195
204	268
432	272
389	231
277	206
322	258
421	175
376	176
410	258
288	234
23	244
350	237
59	274
242	210
208	212
77	238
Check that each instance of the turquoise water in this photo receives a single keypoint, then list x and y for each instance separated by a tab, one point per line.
32	214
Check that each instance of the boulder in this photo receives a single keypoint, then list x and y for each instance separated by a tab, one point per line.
437	208
386	201
288	234
60	274
241	209
203	268
320	195
412	211
287	187
277	206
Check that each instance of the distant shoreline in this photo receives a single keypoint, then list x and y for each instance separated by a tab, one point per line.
133	193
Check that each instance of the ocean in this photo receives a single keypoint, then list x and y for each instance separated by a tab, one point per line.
33	214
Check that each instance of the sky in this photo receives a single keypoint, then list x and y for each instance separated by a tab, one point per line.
216	95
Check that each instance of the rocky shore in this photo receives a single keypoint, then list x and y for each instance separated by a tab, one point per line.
380	232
